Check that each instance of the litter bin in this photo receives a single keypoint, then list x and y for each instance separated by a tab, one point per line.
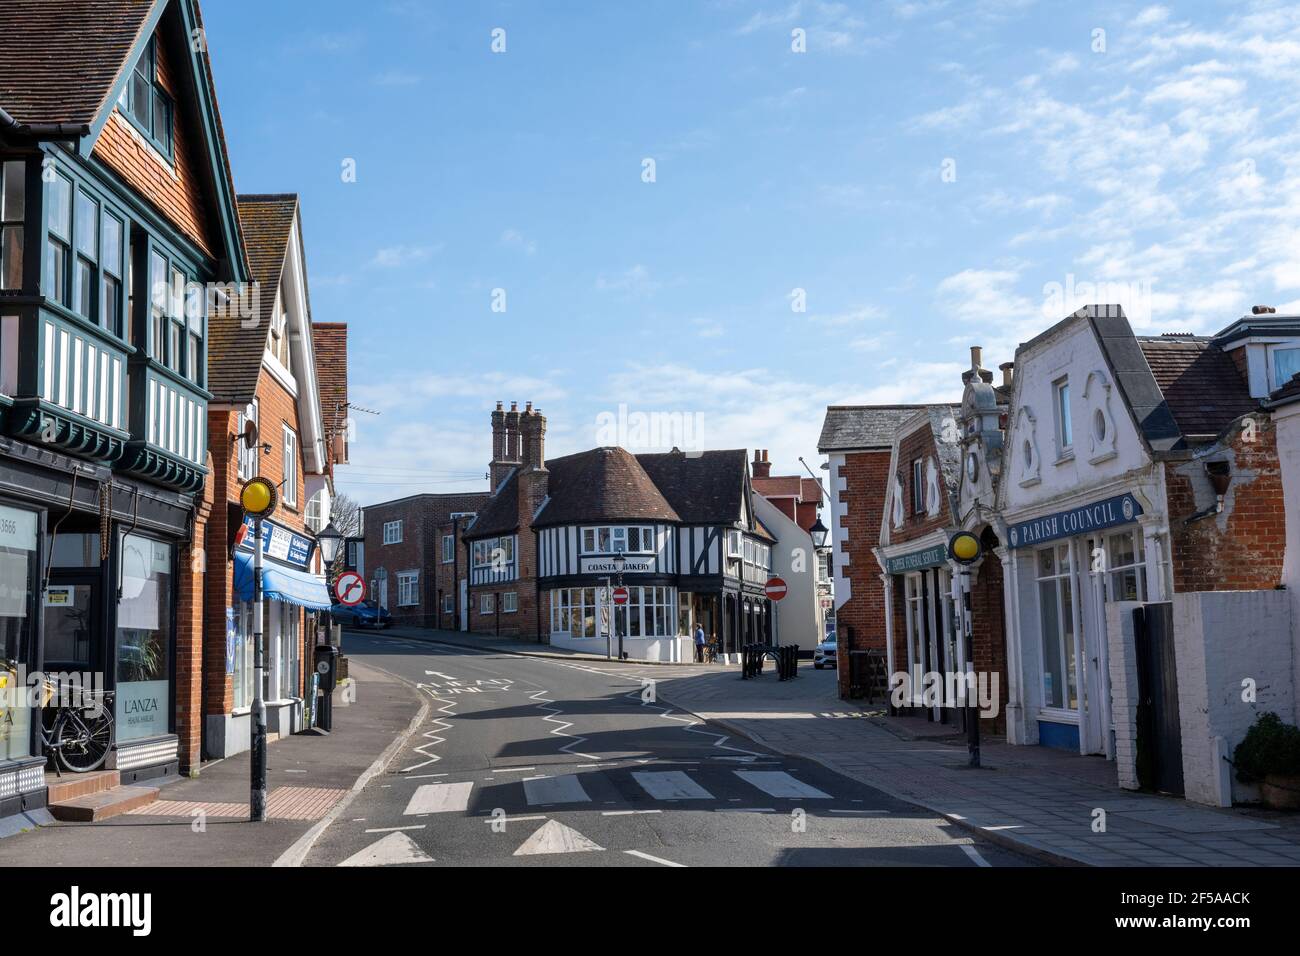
327	669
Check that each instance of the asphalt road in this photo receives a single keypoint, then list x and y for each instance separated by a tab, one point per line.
540	762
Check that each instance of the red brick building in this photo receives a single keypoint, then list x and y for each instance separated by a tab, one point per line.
414	561
858	442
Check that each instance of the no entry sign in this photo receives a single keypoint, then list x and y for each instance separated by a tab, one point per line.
350	589
774	589
620	595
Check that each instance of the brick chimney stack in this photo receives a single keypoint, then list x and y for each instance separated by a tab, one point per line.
761	467
505	444
533	428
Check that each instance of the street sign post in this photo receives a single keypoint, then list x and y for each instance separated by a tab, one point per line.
620	595
775	589
350	589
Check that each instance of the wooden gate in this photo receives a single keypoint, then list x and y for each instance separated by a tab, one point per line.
1159	733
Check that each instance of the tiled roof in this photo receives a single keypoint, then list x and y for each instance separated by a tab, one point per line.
1200	382
611	484
1288	393
235	345
856	427
330	343
58	60
787	486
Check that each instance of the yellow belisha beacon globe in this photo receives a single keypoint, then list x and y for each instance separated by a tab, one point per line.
258	497
964	547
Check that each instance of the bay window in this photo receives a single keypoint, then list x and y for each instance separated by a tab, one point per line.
58	246
13	209
87	231
110	295
635	539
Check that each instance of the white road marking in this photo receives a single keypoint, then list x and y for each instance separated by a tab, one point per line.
859	811
778	783
974	854
395	849
670	785
512	769
426	776
439	798
653	859
744	810
533	816
555	837
565	789
626	813
417	826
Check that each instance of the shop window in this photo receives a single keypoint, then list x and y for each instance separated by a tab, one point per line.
17	615
1125	567
243	664
1056	618
392	532
650	612
13	209
509	602
408	590
574	611
288	654
448	548
144	639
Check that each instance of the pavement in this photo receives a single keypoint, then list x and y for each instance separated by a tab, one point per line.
203	820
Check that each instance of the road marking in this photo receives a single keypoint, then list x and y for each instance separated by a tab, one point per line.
417	826
533	816
670	785
744	810
858	811
974	854
395	849
439	798
653	859
424	776
513	769
554	837
778	783
565	789
625	813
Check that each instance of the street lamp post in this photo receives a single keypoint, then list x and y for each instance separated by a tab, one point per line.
328	539
258	497
619	561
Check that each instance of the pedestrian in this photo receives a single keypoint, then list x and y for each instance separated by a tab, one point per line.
699	644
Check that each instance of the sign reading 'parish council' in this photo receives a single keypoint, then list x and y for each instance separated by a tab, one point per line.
1100	514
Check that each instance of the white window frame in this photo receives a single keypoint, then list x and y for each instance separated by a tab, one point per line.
1061	578
393	532
408	588
611	539
448	604
290	467
1061	413
448	548
247	457
735	544
509	602
487	603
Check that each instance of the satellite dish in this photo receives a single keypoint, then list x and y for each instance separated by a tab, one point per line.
250	433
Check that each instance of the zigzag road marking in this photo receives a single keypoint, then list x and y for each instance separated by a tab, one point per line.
433	735
564	725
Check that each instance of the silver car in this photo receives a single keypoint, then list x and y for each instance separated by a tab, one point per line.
824	656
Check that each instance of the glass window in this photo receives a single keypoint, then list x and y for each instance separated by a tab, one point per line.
17	614
144	639
1286	364
1064	432
157	304
288	654
486	603
243	676
393	532
1126	567
86	230
290	467
247	453
1056	612
448	548
408	592
509	602
13	209
147	103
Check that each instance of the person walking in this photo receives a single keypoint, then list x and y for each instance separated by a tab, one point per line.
699	644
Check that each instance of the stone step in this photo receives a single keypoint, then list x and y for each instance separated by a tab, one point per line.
94	807
73	785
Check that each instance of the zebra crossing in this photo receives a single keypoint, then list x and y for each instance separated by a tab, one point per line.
614	787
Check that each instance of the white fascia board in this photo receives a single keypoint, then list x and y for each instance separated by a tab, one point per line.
293	285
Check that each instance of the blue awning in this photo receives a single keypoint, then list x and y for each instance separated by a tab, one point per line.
280	583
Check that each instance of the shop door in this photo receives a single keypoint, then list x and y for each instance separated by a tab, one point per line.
74	624
464	605
1159	731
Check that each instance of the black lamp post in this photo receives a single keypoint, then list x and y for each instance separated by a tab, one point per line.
819	532
329	539
619	561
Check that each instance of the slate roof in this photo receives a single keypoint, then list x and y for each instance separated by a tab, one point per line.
330	344
235	352
58	60
1288	393
859	427
612	484
1132	373
1200	382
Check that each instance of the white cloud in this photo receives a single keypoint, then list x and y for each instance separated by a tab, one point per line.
516	239
634	282
393	257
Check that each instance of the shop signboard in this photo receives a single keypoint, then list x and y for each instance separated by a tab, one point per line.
142	709
916	560
603	565
1107	513
280	543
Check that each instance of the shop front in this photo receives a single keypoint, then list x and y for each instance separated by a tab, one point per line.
293	598
1066	567
925	638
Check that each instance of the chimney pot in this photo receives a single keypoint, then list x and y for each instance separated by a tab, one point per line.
1007	370
976	353
1263	310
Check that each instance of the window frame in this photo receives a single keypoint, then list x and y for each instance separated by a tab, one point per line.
289	467
594	538
11	223
394	526
509	602
1062	581
248	458
487	603
146	69
408	586
448	548
1061	413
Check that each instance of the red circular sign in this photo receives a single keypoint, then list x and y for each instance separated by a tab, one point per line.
774	589
620	595
350	589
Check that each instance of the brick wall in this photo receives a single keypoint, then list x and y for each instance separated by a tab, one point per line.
174	188
866	477
1242	548
919	444
988	634
191	581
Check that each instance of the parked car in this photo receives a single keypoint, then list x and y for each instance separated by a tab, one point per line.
365	614
824	655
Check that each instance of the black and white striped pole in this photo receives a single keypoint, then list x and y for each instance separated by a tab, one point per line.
258	496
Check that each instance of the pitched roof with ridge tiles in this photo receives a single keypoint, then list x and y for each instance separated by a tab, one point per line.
862	427
1200	382
235	345
330	341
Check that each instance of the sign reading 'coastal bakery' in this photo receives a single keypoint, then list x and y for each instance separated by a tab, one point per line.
1100	514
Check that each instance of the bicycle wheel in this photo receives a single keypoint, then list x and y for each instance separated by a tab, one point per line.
83	744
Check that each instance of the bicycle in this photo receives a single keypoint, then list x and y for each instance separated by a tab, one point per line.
711	652
80	744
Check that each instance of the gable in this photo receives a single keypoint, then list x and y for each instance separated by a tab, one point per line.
190	184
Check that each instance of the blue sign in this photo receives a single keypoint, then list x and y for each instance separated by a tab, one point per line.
280	543
1100	514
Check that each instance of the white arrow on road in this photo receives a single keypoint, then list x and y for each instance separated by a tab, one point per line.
555	837
393	850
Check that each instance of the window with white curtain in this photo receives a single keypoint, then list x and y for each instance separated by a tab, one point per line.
408	588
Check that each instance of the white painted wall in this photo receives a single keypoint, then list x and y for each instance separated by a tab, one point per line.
798	615
839	533
1287	420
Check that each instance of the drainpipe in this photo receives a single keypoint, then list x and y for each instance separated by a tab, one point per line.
50	131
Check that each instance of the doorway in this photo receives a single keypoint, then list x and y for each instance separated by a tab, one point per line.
74	623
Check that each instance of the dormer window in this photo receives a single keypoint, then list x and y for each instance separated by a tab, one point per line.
279	343
146	103
1286	364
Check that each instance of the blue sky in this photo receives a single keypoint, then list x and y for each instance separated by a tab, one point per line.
932	175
